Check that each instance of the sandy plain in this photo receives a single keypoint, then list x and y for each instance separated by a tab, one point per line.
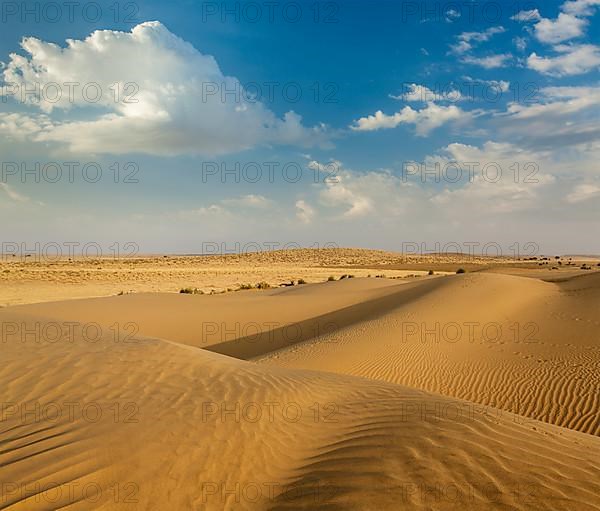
401	390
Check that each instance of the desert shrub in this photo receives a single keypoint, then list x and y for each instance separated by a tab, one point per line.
461	270
191	291
263	285
301	281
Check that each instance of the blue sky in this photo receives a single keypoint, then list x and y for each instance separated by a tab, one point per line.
396	123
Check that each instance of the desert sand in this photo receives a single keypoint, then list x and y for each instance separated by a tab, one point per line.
448	391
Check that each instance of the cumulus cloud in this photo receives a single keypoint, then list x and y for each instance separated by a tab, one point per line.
558	102
467	40
155	94
21	127
304	212
495	178
488	62
416	93
529	15
520	43
424	120
580	7
344	194
363	195
500	177
572	112
563	28
571	60
569	24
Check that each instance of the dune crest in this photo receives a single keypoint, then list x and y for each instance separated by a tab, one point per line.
160	425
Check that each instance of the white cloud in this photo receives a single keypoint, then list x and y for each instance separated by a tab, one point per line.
573	60
584	192
423	94
498	85
558	101
524	16
565	27
520	43
17	197
452	15
20	127
580	7
350	197
467	40
367	195
248	201
13	194
304	212
488	62
572	112
179	107
500	178
425	120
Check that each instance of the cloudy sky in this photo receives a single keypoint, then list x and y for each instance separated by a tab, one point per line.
185	126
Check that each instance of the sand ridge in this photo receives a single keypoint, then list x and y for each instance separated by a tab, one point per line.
191	437
473	391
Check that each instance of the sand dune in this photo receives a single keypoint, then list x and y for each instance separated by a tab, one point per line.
515	343
474	391
35	279
152	424
518	344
